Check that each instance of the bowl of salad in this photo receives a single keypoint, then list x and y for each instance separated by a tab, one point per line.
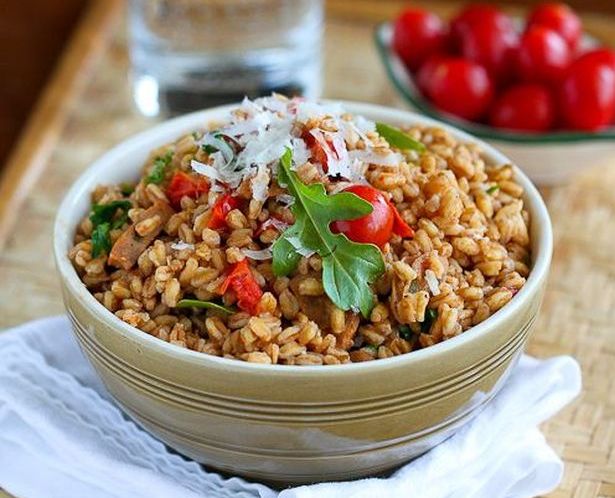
539	89
298	291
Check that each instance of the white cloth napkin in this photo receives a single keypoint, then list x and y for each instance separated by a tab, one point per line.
61	436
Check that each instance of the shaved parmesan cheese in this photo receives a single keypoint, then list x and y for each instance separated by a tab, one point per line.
205	170
432	282
301	153
371	157
260	184
285	199
337	155
181	245
262	255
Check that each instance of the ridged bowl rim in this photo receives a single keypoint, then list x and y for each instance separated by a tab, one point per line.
173	128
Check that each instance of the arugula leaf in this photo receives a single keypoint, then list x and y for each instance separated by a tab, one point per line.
398	138
348	268
102	223
195	303
285	257
157	173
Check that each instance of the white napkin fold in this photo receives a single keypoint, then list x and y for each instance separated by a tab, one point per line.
61	436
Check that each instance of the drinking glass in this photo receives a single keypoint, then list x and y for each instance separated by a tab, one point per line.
192	54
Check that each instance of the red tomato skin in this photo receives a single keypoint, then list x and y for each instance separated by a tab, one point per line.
223	206
477	13
524	107
417	34
587	94
461	87
241	280
560	18
426	72
601	55
183	184
374	228
492	44
543	56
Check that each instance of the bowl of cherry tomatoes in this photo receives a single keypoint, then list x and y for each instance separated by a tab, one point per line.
539	88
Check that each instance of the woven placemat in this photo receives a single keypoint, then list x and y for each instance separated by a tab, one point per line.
578	318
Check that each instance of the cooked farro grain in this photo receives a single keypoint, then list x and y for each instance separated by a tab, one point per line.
200	224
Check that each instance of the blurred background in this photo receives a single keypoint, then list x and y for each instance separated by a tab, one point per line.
34	33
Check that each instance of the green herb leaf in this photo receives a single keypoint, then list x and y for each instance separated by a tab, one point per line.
493	189
210	149
348	268
102	218
127	188
157	173
430	317
399	139
405	332
195	303
371	348
285	257
104	213
101	242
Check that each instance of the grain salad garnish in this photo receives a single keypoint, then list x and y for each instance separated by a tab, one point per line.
295	233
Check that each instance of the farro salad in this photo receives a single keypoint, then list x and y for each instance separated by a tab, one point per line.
295	233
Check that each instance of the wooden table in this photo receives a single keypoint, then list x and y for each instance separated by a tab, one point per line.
87	108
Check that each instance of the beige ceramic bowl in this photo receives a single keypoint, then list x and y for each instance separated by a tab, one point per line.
294	424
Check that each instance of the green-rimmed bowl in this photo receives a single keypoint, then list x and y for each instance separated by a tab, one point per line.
547	158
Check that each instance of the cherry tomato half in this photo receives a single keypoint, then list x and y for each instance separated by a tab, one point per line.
417	34
587	94
241	280
182	184
460	87
376	227
543	56
492	44
525	107
223	206
561	19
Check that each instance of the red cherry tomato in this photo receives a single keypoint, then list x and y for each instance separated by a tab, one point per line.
543	56
223	206
492	44
601	55
426	71
241	280
461	87
183	184
376	227
417	34
587	94
526	107
478	13
561	19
